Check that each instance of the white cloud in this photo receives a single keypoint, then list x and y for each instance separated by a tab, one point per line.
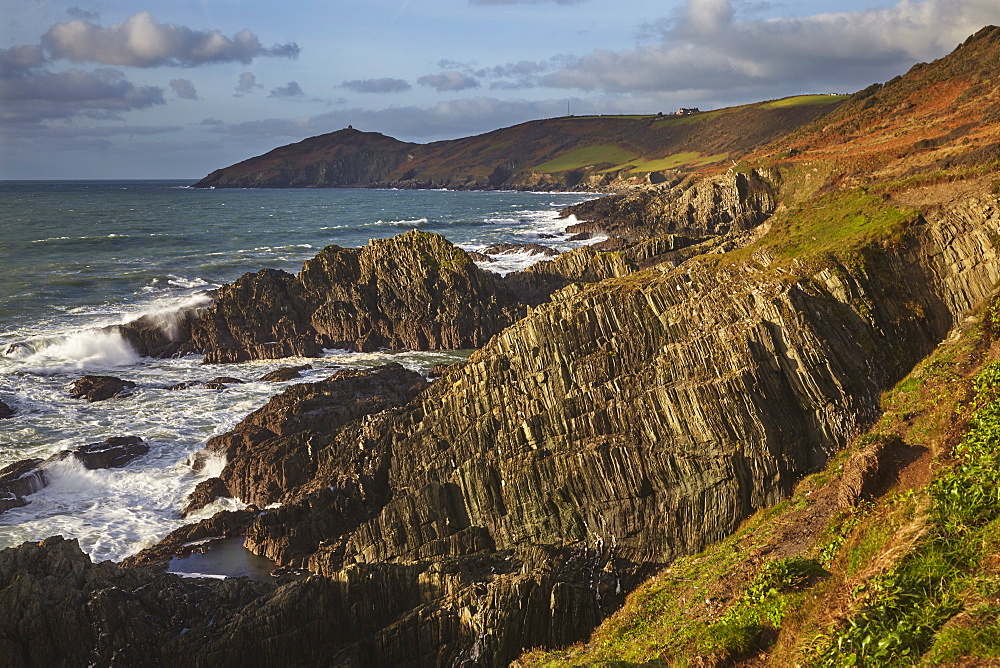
246	83
142	42
448	81
706	48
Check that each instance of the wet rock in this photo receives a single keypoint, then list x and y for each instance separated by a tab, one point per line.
580	236
225	380
205	493
531	249
284	374
222	382
18	480
5	411
113	452
101	388
416	291
28	476
187	385
476	256
189	538
277	448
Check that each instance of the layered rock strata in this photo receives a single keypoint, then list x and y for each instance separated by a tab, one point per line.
619	425
710	207
416	291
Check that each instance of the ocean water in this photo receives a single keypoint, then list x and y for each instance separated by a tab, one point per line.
76	256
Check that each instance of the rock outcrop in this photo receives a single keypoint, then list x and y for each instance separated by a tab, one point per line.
101	388
729	203
113	452
18	480
416	291
6	411
279	447
514	501
28	476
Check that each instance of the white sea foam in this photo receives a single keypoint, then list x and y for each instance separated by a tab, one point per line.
88	350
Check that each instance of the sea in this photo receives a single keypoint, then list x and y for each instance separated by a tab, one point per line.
78	256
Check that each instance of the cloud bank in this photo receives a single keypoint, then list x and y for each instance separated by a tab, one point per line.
383	85
706	48
448	81
142	42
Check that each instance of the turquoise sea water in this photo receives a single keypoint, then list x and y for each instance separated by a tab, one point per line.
75	256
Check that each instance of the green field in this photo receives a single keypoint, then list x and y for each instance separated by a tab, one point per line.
685	159
587	156
803	101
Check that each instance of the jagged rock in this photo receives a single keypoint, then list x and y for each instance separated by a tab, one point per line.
531	249
284	374
416	291
222	382
205	493
113	452
5	411
732	202
187	385
476	256
101	388
277	448
162	335
18	480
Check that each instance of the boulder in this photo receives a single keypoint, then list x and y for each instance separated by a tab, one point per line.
284	374
113	452
5	411
18	480
101	388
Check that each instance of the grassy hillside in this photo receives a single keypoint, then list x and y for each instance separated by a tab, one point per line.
595	151
891	555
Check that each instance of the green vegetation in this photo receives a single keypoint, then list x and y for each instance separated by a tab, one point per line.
587	156
839	222
687	159
948	568
778	588
803	100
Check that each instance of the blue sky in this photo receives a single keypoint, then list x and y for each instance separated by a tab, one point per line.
128	89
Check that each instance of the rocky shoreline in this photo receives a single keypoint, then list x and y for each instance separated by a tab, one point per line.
625	407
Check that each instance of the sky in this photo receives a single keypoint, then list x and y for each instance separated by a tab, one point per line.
120	89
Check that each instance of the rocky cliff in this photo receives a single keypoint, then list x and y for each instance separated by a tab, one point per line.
416	291
620	425
625	407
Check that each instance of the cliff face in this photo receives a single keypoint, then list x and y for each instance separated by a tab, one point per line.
625	408
710	207
513	502
416	291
